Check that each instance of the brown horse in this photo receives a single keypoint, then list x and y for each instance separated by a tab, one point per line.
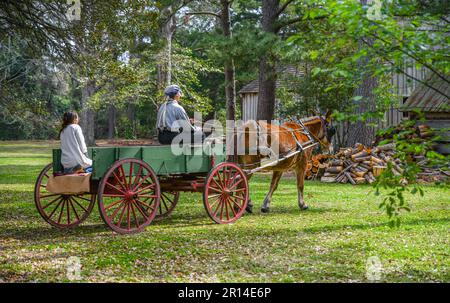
270	136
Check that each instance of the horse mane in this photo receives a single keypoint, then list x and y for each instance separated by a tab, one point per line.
309	119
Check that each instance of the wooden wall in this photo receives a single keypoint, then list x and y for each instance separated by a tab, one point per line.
249	106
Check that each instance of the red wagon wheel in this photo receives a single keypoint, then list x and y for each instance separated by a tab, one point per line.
129	196
226	193
169	200
61	210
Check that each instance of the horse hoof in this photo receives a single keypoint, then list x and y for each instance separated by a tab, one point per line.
304	207
249	209
265	210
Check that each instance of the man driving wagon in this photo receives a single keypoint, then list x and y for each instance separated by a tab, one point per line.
172	120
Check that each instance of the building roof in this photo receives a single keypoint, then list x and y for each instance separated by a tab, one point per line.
427	99
290	71
252	87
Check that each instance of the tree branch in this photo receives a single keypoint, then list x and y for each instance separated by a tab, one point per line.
205	13
399	70
283	7
295	20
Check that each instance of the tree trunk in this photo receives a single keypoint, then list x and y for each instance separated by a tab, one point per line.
267	64
230	87
165	57
131	115
361	131
111	121
87	115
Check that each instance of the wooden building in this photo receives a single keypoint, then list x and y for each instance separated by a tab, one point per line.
435	106
403	87
249	93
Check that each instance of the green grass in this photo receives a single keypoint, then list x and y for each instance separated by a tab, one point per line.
330	242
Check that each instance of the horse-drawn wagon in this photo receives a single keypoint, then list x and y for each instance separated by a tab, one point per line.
135	185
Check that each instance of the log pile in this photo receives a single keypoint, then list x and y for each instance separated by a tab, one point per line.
316	166
360	164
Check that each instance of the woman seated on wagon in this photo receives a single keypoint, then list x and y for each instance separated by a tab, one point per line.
172	120
74	157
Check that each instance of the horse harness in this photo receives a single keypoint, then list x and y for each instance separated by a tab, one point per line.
298	149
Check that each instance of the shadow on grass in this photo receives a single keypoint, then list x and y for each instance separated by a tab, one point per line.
365	226
51	233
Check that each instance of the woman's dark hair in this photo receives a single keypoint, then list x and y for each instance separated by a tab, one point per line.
68	118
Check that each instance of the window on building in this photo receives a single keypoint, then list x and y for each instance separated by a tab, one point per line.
405	114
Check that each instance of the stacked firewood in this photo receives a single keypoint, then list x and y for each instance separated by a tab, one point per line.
316	166
360	164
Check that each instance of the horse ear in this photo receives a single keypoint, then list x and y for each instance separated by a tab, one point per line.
328	116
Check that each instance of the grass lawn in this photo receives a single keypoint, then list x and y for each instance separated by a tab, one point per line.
330	242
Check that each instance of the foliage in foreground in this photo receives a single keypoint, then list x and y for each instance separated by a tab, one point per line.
394	184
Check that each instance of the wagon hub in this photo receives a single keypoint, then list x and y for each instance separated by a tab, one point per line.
130	195
227	192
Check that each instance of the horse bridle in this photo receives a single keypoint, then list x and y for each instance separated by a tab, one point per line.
326	127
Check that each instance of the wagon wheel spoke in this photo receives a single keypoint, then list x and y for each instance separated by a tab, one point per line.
240	198
148	206
50	195
167	204
136	221
75	200
56	207
112	195
148	196
114	203
148	175
118	180
149	190
224	174
238	190
131	174
74	210
83	198
231	206
219	179
124	177
128	216
218	185
137	175
62	210
119	223
116	188
236	184
216	189
51	202
221	209
139	208
229	179
218	206
113	215
226	208
235	202
150	187
215	201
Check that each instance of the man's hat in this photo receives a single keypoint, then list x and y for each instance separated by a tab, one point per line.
172	90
